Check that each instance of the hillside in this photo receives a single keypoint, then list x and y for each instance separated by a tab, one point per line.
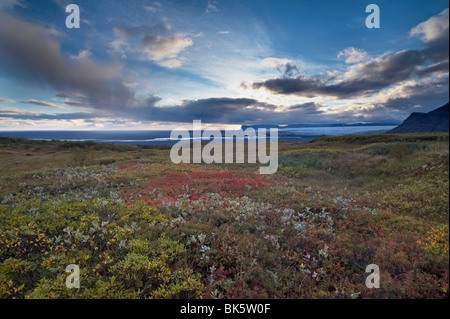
434	121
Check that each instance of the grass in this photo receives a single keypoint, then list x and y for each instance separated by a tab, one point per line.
139	226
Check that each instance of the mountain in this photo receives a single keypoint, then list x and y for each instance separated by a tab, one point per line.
267	126
434	121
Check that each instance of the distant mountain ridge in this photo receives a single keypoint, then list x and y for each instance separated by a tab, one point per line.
434	121
266	126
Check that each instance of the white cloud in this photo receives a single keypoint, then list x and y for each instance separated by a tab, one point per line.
157	43
275	62
164	50
84	54
199	35
116	48
2	100
41	103
434	28
150	9
223	32
211	7
154	8
170	63
4	111
353	55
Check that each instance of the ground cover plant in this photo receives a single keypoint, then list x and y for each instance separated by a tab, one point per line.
139	226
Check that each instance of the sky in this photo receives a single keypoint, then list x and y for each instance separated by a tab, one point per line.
150	65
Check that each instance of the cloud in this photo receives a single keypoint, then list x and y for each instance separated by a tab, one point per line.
34	50
11	3
275	62
223	32
40	103
62	3
360	80
309	108
2	100
428	93
284	66
34	55
365	79
227	110
165	51
81	55
156	7
13	113
397	103
353	55
212	110
437	69
434	33
389	81
300	85
434	29
129	32
10	112
211	6
170	63
389	69
150	9
157	42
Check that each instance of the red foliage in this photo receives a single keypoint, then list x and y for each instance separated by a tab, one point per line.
374	231
197	183
220	273
246	290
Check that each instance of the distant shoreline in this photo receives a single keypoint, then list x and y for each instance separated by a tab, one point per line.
163	137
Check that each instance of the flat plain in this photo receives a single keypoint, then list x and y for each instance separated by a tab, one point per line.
139	226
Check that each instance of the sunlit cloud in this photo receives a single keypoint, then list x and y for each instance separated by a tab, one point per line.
435	28
47	104
353	55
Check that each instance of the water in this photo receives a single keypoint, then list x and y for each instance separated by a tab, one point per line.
163	137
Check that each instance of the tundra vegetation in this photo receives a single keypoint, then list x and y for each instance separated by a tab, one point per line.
139	226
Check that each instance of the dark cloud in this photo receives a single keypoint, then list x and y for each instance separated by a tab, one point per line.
390	69
308	108
232	111
434	33
32	49
427	94
411	97
291	69
214	110
299	85
380	73
33	54
434	70
371	77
